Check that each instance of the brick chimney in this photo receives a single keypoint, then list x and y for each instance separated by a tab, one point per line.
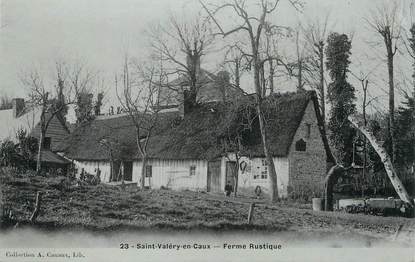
223	80
18	106
193	61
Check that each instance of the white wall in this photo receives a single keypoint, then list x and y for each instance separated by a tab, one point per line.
91	166
174	174
246	181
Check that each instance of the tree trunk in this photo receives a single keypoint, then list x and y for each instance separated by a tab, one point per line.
263	84
236	175
322	96
111	170
390	55
1	204
268	156
390	170
392	109
112	176
259	97
143	170
122	172
237	78
300	75
39	151
271	76
365	142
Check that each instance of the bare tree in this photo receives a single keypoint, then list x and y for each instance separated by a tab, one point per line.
235	63
272	59
364	82
81	78
316	34
239	118
52	104
114	149
302	60
294	64
385	22
181	46
139	98
253	27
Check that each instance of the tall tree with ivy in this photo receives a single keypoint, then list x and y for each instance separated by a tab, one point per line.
341	95
406	115
411	51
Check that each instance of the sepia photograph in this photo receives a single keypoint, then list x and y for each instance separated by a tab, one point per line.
200	130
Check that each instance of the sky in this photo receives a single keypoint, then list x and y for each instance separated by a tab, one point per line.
100	32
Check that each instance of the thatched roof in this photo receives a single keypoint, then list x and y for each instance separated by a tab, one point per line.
201	134
49	157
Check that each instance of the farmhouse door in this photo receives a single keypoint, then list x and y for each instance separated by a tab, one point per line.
116	171
128	171
231	173
213	176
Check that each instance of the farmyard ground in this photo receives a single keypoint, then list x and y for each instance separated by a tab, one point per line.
109	208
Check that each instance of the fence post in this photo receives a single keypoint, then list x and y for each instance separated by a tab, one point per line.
37	207
251	213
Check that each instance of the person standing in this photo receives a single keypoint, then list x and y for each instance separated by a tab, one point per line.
228	189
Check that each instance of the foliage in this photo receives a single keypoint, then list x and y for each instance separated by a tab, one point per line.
412	48
374	160
84	107
98	104
8	153
59	102
18	154
405	132
341	95
26	147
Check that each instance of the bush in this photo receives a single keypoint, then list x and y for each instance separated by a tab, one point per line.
304	193
18	155
9	155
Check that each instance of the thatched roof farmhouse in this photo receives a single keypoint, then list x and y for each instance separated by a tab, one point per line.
203	136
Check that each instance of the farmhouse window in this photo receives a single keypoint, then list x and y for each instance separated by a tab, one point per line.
46	142
149	171
301	145
192	171
264	174
308	130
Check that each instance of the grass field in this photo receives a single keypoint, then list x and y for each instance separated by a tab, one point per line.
106	207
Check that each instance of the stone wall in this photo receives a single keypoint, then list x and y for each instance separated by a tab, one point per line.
307	168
